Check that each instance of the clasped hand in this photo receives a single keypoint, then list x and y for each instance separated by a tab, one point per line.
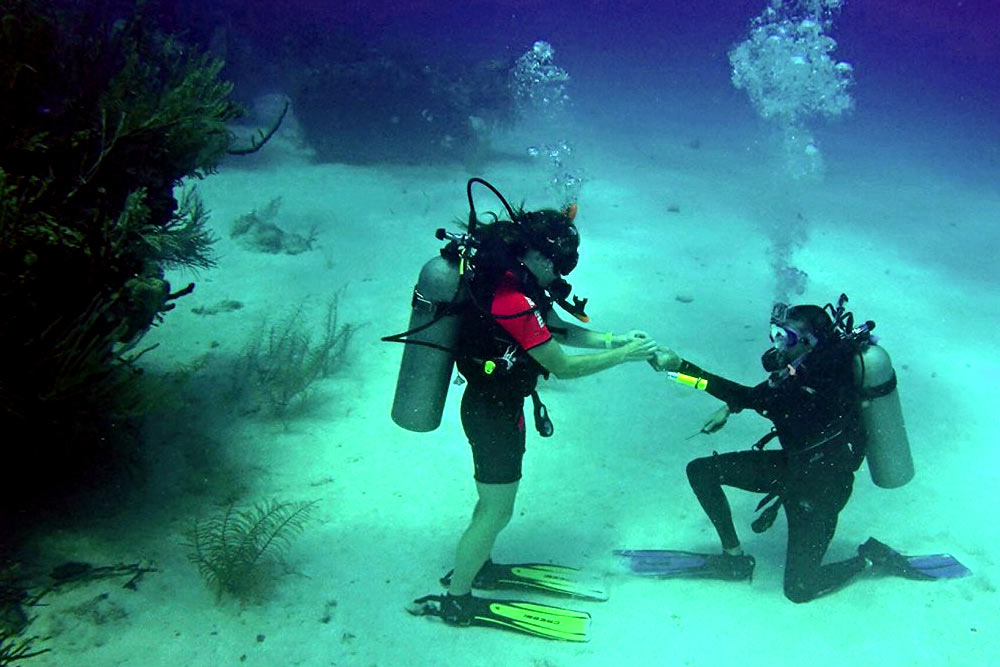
637	345
665	359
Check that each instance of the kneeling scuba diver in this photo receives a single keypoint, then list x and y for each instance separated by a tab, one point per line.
831	395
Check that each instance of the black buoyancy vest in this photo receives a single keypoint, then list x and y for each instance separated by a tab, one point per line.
488	356
821	406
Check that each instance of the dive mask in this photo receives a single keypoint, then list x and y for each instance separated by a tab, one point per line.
785	336
782	335
562	251
553	234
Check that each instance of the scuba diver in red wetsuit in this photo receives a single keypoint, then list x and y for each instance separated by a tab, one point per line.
506	335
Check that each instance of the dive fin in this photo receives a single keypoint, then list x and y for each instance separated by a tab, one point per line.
669	564
540	620
544	577
937	566
929	567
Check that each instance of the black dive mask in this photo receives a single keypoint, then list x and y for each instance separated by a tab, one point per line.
562	250
554	235
564	264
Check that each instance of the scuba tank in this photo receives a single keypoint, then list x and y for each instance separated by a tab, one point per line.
435	323
887	447
425	372
439	298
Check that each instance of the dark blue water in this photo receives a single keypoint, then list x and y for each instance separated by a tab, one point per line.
926	80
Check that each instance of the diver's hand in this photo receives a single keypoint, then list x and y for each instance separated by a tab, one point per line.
717	420
665	359
619	340
639	349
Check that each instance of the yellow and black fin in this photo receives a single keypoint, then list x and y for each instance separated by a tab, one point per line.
542	577
540	620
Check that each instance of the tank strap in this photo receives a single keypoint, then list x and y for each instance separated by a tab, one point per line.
878	391
762	443
449	308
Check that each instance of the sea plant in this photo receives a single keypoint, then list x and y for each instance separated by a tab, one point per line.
14	649
101	118
232	548
281	362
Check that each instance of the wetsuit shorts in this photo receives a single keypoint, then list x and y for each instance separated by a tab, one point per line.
494	425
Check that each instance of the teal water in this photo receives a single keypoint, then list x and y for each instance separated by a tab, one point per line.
692	208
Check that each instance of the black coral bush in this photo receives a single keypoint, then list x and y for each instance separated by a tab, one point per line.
100	120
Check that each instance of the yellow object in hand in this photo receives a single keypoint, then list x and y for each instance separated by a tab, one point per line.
701	384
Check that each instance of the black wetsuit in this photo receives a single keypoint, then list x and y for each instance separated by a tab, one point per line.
817	421
493	403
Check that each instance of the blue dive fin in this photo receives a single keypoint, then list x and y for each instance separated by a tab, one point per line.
671	564
927	568
937	566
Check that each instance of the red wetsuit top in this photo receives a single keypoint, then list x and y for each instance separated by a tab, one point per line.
528	330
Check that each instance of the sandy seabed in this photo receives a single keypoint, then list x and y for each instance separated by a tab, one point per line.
678	246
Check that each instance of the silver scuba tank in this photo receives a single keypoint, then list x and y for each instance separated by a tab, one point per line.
887	449
425	371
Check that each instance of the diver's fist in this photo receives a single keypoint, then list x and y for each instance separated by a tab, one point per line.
717	420
665	360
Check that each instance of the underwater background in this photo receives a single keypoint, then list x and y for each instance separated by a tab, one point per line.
723	156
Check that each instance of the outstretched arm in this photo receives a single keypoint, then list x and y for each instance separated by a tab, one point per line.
736	396
564	366
573	335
